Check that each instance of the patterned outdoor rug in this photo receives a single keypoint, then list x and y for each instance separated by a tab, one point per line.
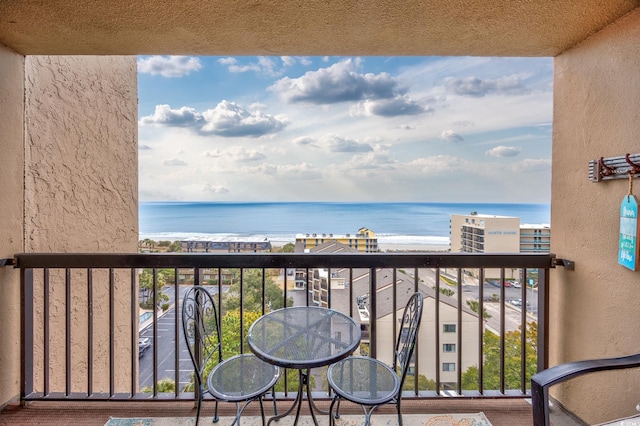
469	419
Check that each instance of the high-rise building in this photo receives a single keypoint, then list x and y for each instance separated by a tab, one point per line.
481	233
535	238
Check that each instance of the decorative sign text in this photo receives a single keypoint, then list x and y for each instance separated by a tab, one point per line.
628	244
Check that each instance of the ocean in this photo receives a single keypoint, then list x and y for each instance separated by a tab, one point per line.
280	222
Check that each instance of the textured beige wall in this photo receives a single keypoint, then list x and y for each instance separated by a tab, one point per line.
81	196
81	157
594	309
11	209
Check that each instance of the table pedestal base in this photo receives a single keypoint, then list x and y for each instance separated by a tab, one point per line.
303	385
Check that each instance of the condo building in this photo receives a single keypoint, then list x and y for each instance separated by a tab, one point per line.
365	241
481	233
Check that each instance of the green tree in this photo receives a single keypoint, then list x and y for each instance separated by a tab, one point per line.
512	364
145	281
164	385
423	383
252	293
288	248
474	305
175	247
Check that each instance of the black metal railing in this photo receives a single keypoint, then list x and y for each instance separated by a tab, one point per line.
81	316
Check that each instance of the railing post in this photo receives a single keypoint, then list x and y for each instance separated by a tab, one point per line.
373	312
543	319
26	326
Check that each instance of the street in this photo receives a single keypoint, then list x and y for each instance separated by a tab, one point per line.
491	294
166	326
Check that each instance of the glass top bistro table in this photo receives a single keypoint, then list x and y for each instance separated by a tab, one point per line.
302	338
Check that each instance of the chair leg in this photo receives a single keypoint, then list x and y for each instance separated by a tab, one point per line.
273	395
332	416
198	410
399	414
264	421
215	415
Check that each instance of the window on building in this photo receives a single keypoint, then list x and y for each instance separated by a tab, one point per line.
449	328
449	347
448	366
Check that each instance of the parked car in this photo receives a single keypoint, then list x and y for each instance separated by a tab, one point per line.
143	344
516	284
518	302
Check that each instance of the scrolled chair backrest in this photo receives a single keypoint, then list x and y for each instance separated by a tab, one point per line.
201	329
408	333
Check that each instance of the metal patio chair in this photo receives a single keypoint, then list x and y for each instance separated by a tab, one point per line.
240	379
371	383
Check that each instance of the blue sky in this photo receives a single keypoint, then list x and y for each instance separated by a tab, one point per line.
424	129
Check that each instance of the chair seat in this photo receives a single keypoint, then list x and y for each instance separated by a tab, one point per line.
241	378
363	380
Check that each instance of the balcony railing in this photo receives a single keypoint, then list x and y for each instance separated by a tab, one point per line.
81	317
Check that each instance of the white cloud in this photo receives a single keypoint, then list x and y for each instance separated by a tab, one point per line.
339	82
288	61
227	61
215	189
504	151
165	116
302	171
231	120
473	86
439	164
227	119
264	65
304	140
396	106
377	160
451	136
237	153
334	143
169	66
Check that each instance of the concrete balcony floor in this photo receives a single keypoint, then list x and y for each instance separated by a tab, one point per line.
500	412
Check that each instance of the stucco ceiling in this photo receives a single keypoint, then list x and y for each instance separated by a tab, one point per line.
304	27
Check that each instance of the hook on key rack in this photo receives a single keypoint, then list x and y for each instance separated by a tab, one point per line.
635	169
605	170
614	167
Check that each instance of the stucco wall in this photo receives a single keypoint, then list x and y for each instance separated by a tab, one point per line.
11	209
81	182
81	195
594	309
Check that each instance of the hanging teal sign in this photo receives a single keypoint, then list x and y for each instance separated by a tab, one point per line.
628	244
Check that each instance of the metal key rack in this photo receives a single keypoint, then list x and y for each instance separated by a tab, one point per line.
614	167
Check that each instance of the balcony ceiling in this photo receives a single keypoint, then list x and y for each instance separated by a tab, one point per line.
304	27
